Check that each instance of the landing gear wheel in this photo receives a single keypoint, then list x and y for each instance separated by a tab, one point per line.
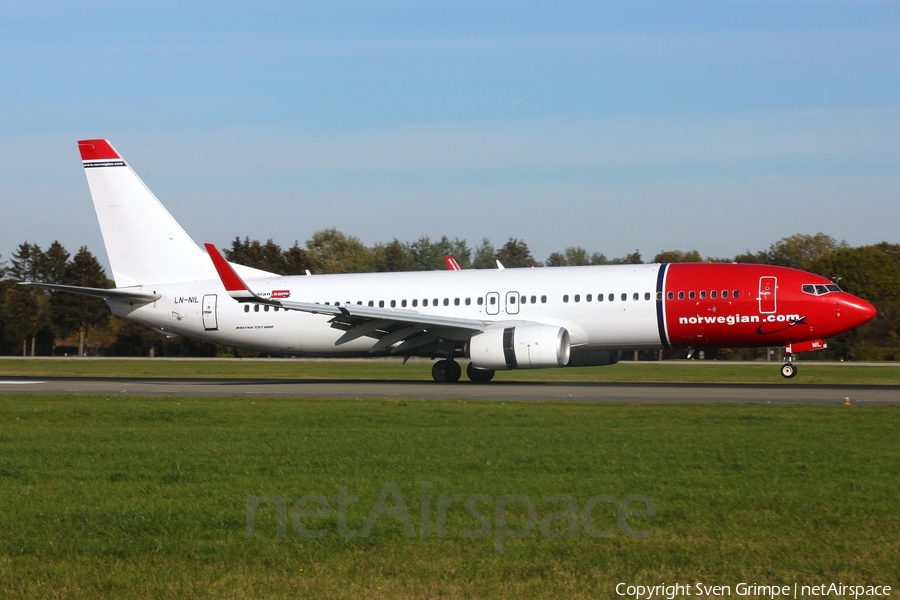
446	371
439	371
788	370
455	371
476	375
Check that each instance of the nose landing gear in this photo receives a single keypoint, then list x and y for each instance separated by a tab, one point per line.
788	370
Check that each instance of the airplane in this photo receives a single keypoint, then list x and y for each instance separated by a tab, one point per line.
498	319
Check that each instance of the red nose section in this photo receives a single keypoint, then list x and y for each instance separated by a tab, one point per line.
860	310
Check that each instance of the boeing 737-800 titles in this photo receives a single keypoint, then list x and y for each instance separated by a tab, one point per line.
495	318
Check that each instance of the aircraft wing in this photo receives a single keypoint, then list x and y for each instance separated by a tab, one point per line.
114	294
388	326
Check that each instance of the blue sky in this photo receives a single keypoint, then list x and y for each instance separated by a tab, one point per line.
719	126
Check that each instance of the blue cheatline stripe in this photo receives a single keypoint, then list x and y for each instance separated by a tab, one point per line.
660	298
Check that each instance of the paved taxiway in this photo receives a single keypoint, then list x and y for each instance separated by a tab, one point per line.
584	392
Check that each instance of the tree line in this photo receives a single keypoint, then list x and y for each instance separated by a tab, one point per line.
35	322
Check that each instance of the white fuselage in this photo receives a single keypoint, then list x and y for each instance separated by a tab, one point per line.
553	296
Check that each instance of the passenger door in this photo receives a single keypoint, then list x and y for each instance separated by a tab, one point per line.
210	320
767	288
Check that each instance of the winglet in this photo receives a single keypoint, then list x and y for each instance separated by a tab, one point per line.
451	263
233	283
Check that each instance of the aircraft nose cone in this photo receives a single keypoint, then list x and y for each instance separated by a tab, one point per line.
861	311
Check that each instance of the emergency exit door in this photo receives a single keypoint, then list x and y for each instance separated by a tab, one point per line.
512	303
210	322
767	288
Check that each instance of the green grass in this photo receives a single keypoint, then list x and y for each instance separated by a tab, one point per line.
146	497
668	372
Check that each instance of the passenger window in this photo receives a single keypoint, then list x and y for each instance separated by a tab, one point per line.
599	297
246	308
256	307
381	304
523	300
692	294
493	300
670	295
577	297
588	298
468	301
434	302
393	304
446	301
724	294
565	297
456	302
425	302
415	302
735	294
703	295
266	308
611	297
480	300
624	297
647	295
512	299
534	299
713	294
543	299
371	303
403	303
636	296
681	295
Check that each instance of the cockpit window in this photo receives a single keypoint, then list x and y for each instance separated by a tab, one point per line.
819	289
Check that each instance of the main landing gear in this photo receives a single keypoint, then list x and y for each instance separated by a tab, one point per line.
446	371
449	371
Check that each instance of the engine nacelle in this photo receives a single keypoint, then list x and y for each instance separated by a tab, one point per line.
521	347
594	358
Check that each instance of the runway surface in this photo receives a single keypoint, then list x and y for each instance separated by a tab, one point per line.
506	391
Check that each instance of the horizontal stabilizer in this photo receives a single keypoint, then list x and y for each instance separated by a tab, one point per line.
113	294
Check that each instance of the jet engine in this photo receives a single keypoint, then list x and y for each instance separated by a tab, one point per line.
521	347
594	358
